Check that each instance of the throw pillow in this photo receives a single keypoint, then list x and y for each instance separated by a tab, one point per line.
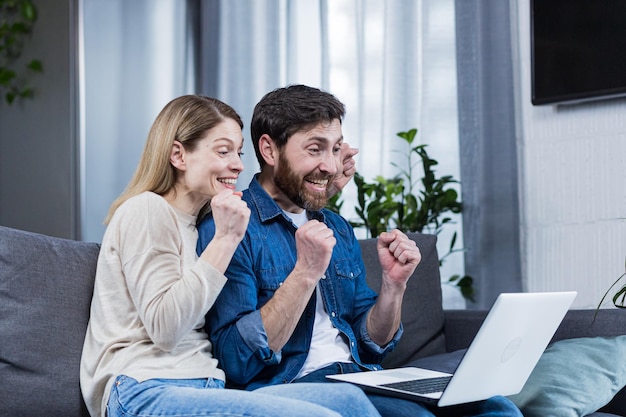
574	377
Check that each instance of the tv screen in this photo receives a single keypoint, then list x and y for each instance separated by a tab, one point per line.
578	50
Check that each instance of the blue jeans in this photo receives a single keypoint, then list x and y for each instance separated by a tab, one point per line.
206	397
398	407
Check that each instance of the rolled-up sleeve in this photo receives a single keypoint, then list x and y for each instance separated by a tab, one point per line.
371	347
252	332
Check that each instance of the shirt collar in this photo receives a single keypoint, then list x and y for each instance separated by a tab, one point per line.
267	207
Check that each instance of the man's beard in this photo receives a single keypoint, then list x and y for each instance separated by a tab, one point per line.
293	186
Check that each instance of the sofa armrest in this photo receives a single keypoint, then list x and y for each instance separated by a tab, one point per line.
46	284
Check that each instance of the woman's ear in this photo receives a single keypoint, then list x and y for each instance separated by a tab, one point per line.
177	156
268	150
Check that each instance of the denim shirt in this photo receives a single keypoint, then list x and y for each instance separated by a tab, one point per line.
263	260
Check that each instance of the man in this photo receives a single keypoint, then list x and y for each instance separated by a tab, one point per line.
296	306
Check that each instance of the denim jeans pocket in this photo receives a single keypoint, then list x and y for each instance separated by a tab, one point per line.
131	398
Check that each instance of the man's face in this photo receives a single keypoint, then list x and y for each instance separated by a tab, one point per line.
308	164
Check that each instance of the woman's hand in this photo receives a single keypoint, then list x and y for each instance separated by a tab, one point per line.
231	215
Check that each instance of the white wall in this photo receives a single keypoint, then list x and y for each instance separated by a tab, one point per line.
572	187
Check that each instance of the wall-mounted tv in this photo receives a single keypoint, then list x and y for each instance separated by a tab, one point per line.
578	50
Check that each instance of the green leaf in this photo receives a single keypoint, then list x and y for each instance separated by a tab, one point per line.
27	93
616	298
408	136
467	287
621	291
35	65
6	76
20	27
453	241
29	12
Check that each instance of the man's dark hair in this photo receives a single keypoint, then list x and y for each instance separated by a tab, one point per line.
285	111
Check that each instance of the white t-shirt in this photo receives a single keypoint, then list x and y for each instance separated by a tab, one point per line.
150	296
327	344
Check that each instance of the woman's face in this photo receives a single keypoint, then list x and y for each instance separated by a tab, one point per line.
215	164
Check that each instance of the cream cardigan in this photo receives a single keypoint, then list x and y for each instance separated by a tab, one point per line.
150	296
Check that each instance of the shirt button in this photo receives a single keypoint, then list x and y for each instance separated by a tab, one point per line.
332	314
324	276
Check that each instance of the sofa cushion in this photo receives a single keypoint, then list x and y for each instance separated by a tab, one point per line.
574	377
422	312
46	285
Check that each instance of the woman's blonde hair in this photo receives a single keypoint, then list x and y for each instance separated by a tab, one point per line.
185	119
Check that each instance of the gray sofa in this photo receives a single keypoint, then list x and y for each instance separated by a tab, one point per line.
45	292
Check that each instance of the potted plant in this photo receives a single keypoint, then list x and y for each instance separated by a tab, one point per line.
388	203
17	18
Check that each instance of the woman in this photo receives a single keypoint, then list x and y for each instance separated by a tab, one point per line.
145	352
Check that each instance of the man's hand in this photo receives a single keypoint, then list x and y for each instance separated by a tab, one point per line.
346	171
280	315
398	255
314	248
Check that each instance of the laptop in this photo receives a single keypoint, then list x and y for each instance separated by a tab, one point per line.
499	360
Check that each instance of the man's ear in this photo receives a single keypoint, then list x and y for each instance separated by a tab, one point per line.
268	150
177	156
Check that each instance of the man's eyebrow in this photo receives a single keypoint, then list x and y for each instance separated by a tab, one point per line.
323	139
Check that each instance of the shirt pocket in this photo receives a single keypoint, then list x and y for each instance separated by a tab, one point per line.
269	280
344	269
347	273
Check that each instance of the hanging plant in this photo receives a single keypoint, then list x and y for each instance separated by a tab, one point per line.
17	18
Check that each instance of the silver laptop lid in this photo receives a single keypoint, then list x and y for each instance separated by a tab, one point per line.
499	360
507	346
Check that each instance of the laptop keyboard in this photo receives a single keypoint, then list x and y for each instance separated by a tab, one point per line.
421	386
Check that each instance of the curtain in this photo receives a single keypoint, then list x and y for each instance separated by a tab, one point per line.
392	63
491	217
134	59
373	55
